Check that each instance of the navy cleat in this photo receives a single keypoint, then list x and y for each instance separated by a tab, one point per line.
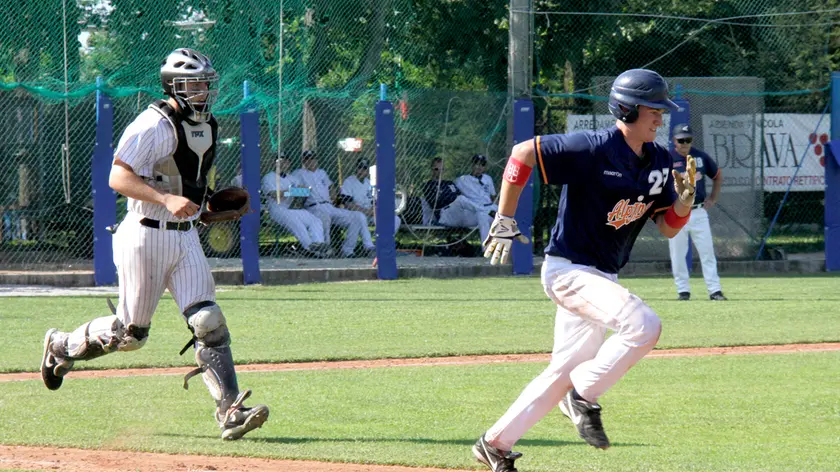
586	417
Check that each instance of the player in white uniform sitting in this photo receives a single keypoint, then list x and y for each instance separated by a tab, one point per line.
450	207
477	186
305	226
319	203
358	190
161	164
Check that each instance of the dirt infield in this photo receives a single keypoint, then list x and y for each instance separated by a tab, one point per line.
66	459
82	460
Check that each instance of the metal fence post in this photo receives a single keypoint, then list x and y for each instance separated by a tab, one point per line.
249	225
523	130
104	199
386	250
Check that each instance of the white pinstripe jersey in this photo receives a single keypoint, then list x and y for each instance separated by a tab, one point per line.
147	141
478	189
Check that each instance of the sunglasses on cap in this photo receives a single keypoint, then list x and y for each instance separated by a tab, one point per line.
684	140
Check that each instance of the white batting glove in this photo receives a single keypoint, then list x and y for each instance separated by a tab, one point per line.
684	182
502	233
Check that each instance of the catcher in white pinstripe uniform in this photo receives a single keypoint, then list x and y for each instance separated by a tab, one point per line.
161	165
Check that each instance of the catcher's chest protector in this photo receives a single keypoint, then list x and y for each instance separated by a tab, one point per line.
185	173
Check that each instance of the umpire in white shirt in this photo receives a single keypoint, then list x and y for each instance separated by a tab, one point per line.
306	227
477	186
319	203
359	195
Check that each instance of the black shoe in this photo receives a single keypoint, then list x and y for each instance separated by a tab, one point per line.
53	369
718	296
684	296
239	420
587	418
498	461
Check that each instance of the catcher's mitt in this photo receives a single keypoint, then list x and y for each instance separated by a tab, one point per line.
227	204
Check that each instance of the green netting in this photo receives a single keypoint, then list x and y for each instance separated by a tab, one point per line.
445	64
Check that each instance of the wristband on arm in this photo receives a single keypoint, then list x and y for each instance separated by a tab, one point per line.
674	220
516	172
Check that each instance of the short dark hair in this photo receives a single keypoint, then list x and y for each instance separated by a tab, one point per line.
479	159
436	160
307	155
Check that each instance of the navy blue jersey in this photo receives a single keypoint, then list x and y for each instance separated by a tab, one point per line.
706	167
609	193
441	196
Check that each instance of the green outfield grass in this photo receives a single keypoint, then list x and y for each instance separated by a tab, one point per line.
427	317
744	413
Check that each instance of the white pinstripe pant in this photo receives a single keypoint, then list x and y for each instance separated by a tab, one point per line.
150	261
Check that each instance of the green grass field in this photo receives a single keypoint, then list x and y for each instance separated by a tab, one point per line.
759	412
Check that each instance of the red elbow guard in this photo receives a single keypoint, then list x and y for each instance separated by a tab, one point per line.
516	172
674	220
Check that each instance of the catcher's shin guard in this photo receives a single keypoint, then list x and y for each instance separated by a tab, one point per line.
91	340
215	364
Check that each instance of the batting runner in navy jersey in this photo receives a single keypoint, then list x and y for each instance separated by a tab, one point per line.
161	164
698	225
613	181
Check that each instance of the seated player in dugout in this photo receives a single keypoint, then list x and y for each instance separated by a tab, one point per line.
305	226
612	182
478	186
450	207
320	203
161	164
359	193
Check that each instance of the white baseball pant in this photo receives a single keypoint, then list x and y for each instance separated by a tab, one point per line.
463	213
306	227
701	234
354	221
588	302
150	261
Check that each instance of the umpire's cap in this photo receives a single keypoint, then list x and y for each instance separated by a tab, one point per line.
638	87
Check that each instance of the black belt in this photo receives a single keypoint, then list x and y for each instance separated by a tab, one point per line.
697	205
172	225
316	203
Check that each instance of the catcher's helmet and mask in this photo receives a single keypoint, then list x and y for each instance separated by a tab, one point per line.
638	87
183	67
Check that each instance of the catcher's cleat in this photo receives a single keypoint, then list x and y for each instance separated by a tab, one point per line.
586	417
718	296
684	296
53	369
498	461
239	420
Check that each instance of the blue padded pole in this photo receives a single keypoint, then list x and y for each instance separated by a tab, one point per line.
681	115
249	225
832	182
386	249
523	130
104	199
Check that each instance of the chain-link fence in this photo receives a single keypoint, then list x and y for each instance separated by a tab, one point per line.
314	67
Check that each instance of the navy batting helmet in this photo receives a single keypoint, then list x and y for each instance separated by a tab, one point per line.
638	87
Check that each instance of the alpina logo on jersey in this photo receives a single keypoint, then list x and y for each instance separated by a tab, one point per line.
197	134
624	213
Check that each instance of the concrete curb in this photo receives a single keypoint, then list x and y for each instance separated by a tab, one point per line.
478	269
